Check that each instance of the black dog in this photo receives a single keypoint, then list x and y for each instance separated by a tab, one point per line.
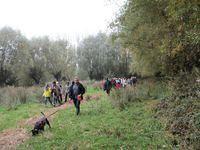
39	125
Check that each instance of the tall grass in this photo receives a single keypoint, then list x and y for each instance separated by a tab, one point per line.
143	90
12	96
35	93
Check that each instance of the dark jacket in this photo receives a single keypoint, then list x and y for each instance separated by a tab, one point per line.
107	85
81	91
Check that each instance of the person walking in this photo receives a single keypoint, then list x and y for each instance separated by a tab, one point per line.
60	90
107	86
55	91
76	92
67	86
47	94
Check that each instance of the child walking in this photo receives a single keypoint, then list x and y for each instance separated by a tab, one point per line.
47	94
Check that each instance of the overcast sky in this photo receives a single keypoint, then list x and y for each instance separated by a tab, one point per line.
58	18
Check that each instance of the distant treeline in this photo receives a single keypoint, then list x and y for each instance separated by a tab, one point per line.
25	62
28	62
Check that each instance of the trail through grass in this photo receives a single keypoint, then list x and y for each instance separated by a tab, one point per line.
11	118
100	126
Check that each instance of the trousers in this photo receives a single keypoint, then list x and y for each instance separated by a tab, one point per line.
77	105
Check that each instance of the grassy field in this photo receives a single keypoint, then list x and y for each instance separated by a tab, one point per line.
99	126
11	118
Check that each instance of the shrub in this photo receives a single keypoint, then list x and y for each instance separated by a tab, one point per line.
181	110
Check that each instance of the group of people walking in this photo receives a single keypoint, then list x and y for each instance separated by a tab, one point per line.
118	83
54	92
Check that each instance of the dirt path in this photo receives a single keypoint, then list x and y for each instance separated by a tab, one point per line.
11	138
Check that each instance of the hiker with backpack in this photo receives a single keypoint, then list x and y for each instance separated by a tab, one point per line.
76	92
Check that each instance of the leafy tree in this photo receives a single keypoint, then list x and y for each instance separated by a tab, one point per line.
60	59
36	73
11	46
162	34
24	62
99	57
55	58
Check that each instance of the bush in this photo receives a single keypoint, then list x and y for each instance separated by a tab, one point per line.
181	110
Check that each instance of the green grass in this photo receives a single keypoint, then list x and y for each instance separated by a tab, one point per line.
10	118
100	126
91	90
